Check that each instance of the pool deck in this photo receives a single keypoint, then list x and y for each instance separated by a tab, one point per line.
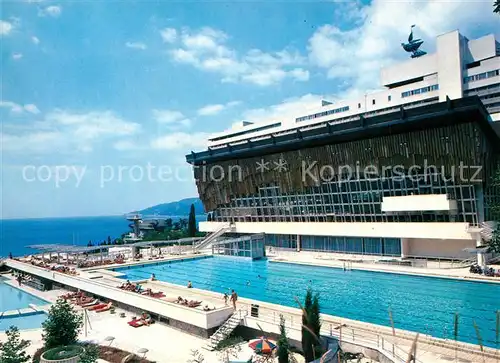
430	350
450	273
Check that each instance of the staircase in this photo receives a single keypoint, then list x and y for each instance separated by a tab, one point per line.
225	329
211	237
487	231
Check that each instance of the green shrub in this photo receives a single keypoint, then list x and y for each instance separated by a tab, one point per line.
12	351
62	326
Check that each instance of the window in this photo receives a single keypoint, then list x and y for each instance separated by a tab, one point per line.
359	105
481	76
322	114
373	102
417	91
389	98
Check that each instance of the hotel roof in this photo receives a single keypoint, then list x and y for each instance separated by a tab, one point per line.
403	120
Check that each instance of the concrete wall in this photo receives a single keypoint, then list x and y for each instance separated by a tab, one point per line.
449	60
412	68
482	48
426	202
436	248
197	318
448	230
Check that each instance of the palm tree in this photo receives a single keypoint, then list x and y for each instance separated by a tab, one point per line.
496	6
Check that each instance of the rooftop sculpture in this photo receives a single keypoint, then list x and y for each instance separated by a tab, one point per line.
413	45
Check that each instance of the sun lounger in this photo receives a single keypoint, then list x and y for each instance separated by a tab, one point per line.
84	301
99	306
136	323
101	310
95	302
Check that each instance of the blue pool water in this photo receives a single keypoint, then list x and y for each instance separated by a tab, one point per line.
423	304
32	321
12	298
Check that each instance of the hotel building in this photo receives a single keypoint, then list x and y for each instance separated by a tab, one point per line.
403	172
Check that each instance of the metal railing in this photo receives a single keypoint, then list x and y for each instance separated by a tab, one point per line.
210	238
342	332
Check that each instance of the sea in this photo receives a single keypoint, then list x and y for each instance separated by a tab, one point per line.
17	234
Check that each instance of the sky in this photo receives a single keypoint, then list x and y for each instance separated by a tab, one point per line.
100	101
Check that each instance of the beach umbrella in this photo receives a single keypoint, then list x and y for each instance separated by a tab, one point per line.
262	345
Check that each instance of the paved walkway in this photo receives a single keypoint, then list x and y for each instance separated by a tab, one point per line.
432	270
166	344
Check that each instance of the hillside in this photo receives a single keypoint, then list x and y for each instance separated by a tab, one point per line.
179	208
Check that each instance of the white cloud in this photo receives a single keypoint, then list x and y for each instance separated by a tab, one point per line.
207	49
66	131
167	116
35	40
126	145
210	110
136	45
180	140
19	109
169	35
289	109
5	27
31	108
17	56
33	141
12	106
52	10
356	55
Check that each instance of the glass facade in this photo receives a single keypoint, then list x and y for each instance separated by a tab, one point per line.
348	245
480	76
251	247
418	91
352	200
322	114
354	245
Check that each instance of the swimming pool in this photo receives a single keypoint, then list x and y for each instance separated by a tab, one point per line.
27	321
12	298
423	304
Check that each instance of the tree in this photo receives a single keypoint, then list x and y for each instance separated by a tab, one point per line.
168	223
315	324
192	222
307	339
109	241
283	344
62	325
494	243
12	351
90	355
496	7
311	326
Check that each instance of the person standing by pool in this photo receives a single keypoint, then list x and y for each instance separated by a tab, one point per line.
190	285
225	299
234	298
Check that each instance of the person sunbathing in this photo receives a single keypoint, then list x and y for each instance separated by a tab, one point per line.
146	319
147	292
